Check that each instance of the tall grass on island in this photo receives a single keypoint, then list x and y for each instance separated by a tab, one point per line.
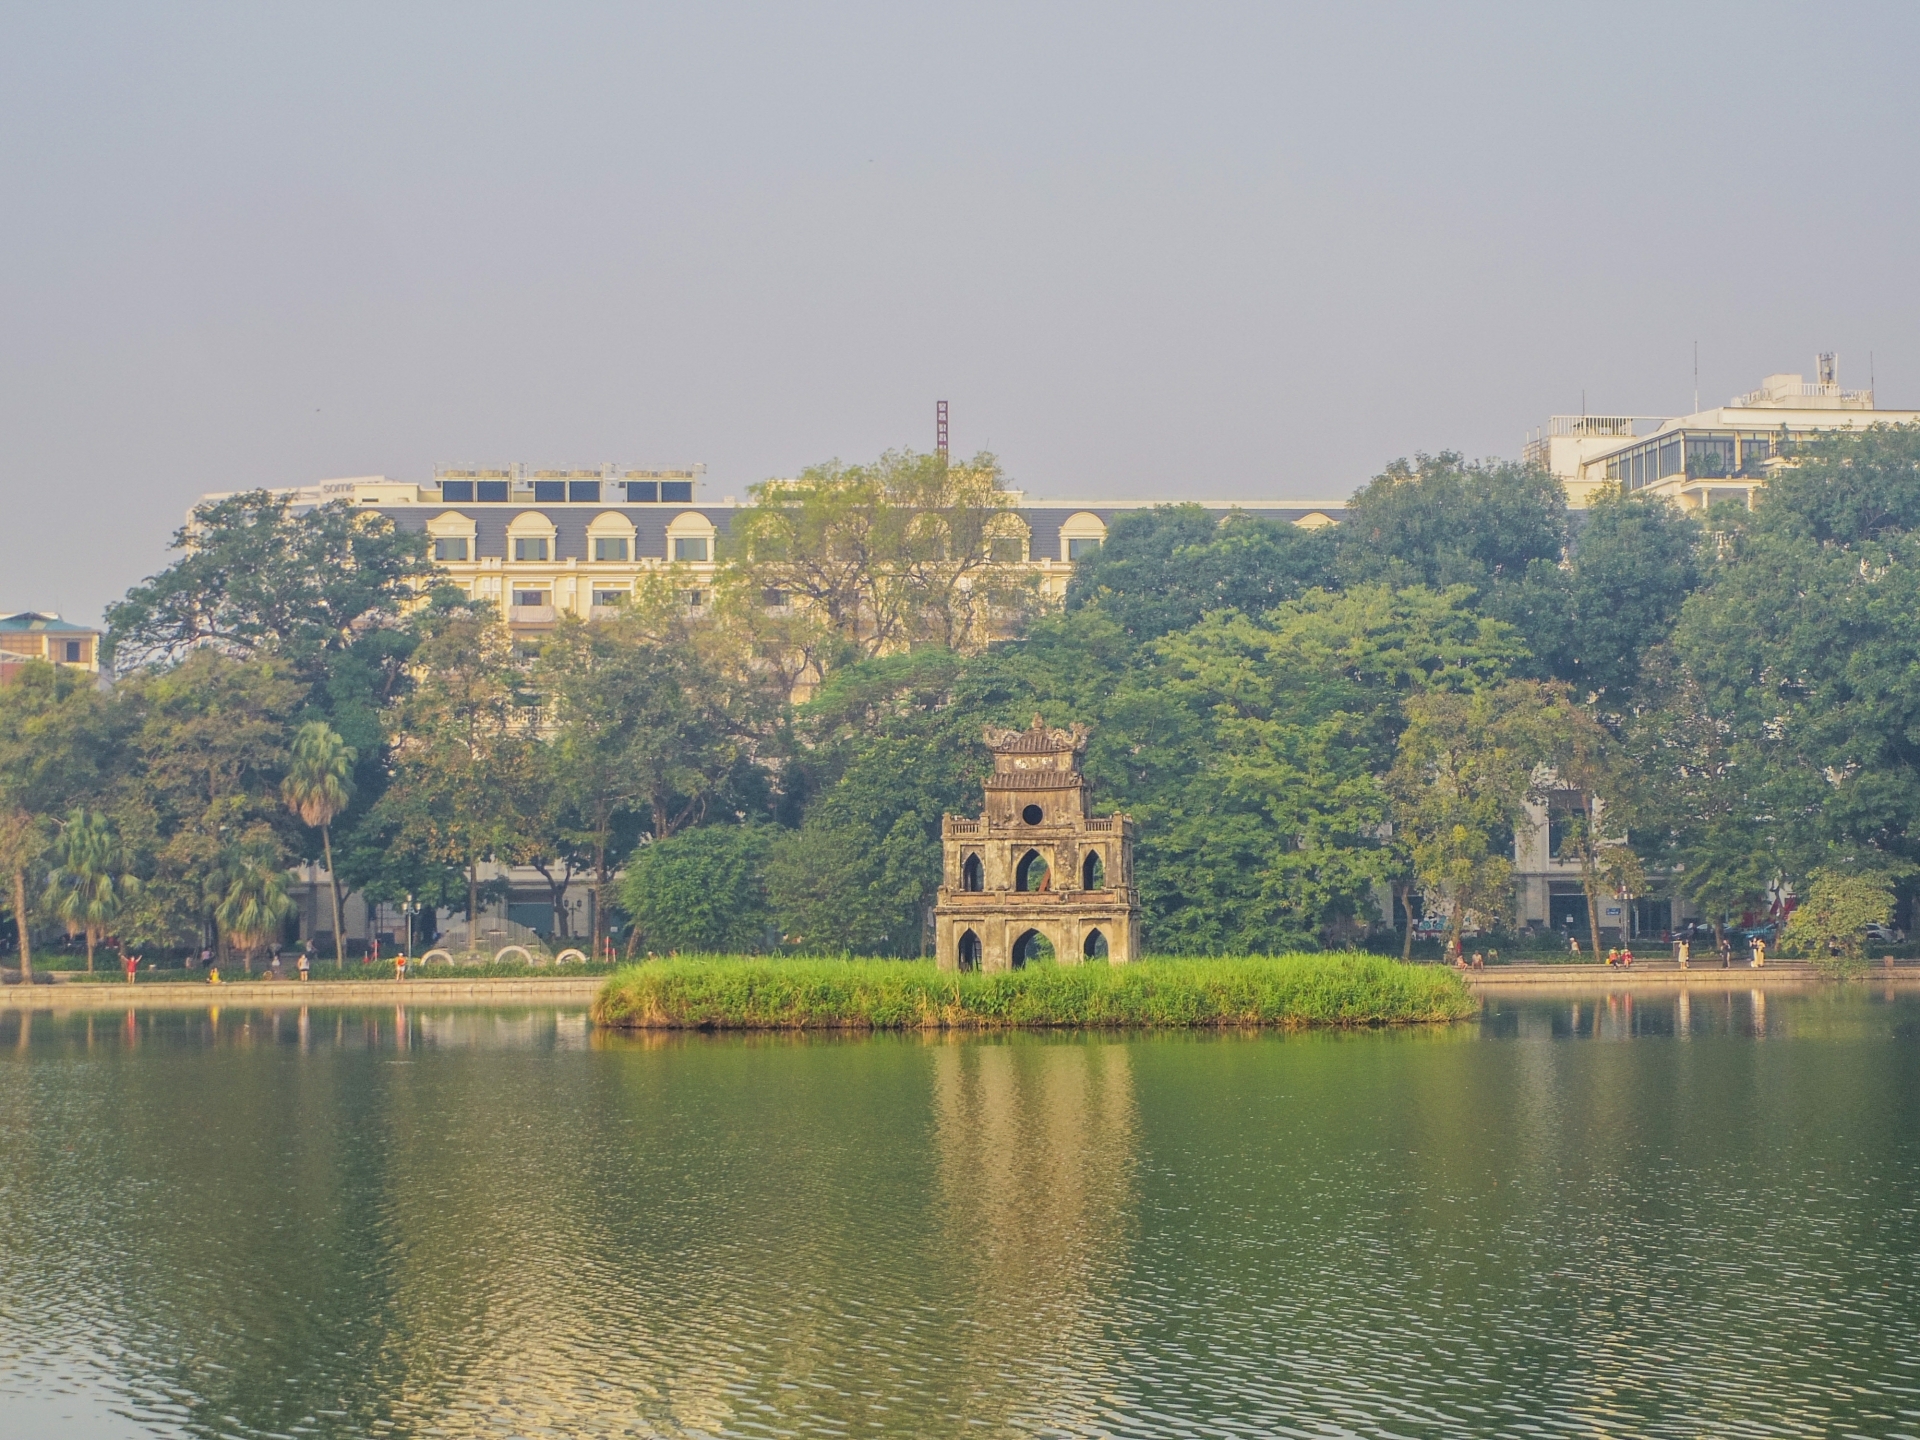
1283	991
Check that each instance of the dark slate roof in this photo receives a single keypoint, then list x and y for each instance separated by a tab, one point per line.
569	523
1044	521
650	522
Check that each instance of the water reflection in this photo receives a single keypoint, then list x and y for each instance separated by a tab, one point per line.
1667	1012
309	1221
1036	1140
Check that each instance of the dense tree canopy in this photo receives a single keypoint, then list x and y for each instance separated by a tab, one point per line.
1161	570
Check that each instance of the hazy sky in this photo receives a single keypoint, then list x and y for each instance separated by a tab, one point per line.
1249	251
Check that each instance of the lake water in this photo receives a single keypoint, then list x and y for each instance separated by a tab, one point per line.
1628	1217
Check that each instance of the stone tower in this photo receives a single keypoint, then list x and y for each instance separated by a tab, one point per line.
1038	866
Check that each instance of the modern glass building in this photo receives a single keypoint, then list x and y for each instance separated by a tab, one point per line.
1713	457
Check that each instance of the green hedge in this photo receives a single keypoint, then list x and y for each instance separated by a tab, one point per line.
1288	991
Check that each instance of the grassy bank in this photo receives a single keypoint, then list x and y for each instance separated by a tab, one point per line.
1287	991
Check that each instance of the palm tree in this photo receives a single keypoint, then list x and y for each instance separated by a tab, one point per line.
318	787
90	885
253	899
21	843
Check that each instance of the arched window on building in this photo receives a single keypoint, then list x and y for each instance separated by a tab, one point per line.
972	875
1096	946
969	951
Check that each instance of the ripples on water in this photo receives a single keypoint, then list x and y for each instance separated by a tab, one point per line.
497	1223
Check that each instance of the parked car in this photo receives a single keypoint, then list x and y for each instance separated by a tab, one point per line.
1768	932
1694	932
1883	934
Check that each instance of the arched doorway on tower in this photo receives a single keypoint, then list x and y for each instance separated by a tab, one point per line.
1032	948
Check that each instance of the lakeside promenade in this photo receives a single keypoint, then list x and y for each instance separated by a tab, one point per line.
177	995
1663	976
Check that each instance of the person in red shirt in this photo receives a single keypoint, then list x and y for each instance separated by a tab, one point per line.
130	963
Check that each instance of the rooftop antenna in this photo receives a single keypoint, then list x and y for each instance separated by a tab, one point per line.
1696	377
940	427
1871	387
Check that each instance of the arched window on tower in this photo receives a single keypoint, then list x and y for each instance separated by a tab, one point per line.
1032	874
1093	874
1096	946
969	951
972	875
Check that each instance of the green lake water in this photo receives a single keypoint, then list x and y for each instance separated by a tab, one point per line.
1631	1217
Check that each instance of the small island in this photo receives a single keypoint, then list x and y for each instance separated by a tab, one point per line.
1280	992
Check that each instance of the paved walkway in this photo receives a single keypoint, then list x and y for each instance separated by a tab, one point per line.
117	995
1666	974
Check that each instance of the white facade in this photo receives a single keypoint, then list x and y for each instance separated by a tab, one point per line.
1713	457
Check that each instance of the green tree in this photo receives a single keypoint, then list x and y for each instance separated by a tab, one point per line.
257	577
1466	771
317	787
1597	784
874	558
1703	819
641	731
89	887
204	756
461	746
23	842
57	745
1792	668
1440	521
251	885
1160	570
888	747
1256	755
1591	621
1830	924
703	890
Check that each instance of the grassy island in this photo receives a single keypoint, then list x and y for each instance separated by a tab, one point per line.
1286	991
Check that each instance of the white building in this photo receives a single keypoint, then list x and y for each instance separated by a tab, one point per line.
1715	457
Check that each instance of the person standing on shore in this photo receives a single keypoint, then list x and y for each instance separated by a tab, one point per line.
306	961
1726	953
131	964
1683	953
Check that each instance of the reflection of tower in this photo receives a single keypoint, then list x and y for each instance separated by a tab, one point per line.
1037	872
1036	1142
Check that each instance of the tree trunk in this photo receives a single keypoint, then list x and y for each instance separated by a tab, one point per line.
1593	913
473	902
600	878
89	950
1405	893
20	923
333	884
558	894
